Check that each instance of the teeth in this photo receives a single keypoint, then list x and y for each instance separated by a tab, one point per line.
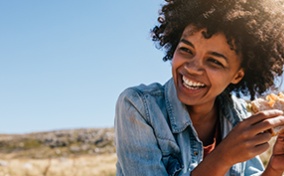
191	84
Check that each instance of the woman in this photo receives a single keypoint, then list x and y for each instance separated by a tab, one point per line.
194	124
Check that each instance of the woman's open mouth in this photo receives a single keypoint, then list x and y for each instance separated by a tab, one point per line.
193	85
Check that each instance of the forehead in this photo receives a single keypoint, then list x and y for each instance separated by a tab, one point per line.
194	33
216	42
191	29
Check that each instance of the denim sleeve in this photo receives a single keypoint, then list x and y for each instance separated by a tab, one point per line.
136	145
254	167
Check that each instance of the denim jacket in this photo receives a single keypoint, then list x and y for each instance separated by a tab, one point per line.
155	135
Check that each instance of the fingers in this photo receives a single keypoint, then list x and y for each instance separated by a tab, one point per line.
256	145
264	121
279	145
260	143
263	138
257	140
261	148
281	134
268	124
280	137
264	115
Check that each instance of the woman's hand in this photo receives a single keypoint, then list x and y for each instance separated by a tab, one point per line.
247	139
276	163
250	138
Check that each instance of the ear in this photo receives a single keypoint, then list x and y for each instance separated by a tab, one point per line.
238	76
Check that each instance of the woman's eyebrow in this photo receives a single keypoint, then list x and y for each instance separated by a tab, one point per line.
219	55
187	42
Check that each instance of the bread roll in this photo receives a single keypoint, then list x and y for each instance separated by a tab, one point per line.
271	101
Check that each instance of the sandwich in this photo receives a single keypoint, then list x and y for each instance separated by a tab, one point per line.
271	101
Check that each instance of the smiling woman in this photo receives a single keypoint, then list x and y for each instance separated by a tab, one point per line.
206	62
194	124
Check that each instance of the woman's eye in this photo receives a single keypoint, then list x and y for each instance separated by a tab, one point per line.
186	50
216	62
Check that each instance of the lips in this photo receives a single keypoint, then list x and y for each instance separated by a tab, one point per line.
190	84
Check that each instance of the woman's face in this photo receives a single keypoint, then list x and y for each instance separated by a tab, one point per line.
203	67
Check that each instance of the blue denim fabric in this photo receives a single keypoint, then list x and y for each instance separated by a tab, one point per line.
155	136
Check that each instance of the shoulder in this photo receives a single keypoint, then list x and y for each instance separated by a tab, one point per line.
138	93
144	99
139	102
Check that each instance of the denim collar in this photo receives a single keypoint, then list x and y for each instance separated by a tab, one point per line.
230	109
178	115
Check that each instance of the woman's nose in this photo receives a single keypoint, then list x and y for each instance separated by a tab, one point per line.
194	66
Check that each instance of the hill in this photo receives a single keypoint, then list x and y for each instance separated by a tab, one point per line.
60	143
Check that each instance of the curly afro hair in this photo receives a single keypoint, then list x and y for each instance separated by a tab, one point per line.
254	27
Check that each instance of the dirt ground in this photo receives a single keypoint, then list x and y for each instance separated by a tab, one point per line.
100	165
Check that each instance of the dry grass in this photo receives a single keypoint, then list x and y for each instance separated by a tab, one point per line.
103	165
99	165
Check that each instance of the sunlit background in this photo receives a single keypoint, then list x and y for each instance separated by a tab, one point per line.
63	63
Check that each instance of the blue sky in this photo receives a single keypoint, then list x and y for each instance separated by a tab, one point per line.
63	63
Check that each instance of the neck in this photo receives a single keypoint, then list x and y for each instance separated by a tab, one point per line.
204	121
199	114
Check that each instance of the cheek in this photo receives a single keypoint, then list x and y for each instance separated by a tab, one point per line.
177	61
174	72
175	64
219	79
